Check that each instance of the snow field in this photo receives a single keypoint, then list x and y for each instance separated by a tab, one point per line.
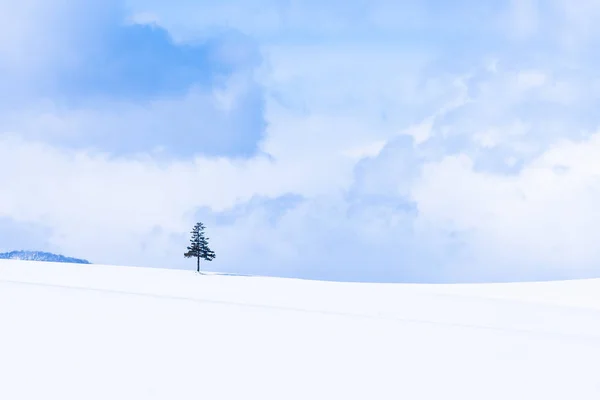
102	332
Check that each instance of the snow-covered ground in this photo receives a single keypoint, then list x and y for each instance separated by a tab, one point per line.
74	332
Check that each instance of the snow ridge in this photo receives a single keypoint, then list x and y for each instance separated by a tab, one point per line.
40	256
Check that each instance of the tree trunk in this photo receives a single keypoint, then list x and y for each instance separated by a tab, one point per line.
198	263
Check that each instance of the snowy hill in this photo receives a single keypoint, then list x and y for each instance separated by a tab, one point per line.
101	332
40	256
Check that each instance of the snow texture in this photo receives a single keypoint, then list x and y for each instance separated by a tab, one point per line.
75	332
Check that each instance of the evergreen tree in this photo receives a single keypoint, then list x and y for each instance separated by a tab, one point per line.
198	247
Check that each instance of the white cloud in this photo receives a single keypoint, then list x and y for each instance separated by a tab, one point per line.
524	21
102	206
531	79
494	136
368	150
577	27
384	140
544	217
421	131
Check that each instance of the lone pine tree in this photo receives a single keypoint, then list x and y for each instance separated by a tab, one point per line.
199	245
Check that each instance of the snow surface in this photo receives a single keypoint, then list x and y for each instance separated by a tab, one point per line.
70	331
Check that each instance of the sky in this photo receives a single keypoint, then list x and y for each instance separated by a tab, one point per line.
388	141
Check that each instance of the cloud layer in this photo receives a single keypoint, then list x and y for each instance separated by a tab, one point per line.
381	143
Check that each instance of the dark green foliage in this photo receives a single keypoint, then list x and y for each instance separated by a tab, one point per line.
198	247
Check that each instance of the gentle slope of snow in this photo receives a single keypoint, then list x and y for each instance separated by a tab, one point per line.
100	332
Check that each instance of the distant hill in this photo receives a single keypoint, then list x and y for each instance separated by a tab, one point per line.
40	256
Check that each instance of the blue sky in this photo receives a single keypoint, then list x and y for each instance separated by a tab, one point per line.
421	141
